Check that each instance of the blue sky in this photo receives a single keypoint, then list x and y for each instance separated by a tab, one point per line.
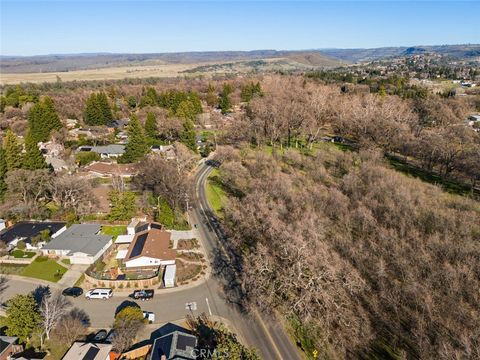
59	27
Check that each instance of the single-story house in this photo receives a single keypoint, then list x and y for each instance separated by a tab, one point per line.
9	347
81	243
118	124
89	351
110	169
150	248
26	230
167	151
105	151
177	344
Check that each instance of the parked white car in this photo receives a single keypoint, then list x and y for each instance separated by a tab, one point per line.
149	316
104	294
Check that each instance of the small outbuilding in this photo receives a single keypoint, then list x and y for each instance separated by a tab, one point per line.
169	276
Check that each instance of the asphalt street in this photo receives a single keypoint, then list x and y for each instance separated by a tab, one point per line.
263	333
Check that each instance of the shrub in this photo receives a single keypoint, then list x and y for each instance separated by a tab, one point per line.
21	245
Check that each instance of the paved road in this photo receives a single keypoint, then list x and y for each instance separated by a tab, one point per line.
265	334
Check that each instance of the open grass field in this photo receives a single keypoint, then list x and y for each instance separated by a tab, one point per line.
112	73
44	269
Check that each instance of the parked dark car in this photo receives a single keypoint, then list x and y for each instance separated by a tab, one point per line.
72	291
143	295
101	335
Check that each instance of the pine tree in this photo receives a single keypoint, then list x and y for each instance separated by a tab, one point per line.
137	146
186	110
43	119
105	108
187	137
3	173
151	130
224	103
13	151
211	98
33	159
97	110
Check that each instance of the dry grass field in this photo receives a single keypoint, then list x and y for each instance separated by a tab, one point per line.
112	73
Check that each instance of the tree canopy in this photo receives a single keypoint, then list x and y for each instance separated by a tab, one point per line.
22	317
97	110
137	145
43	119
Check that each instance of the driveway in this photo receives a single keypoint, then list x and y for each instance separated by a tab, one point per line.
72	275
185	234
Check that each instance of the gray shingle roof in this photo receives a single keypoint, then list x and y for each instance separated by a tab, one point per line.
109	149
80	238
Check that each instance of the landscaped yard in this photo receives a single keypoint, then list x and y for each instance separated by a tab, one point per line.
12	269
114	230
44	269
215	193
20	254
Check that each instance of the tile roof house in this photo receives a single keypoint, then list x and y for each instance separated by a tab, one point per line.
26	230
89	351
178	344
111	169
9	347
150	248
81	243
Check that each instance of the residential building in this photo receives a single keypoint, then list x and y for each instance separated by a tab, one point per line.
150	249
177	344
26	230
103	169
81	243
105	151
89	351
9	347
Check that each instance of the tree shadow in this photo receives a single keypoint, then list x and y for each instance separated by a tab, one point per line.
81	315
40	292
125	304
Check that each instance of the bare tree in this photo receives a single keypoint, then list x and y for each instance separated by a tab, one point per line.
72	326
52	308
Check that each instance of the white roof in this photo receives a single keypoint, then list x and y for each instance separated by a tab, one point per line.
124	239
170	271
121	254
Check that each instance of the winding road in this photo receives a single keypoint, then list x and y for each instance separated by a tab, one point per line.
258	331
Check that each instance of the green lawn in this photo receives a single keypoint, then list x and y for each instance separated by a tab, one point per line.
66	261
12	269
215	193
114	230
44	269
20	254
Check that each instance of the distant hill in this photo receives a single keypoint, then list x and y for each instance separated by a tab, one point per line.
313	58
361	55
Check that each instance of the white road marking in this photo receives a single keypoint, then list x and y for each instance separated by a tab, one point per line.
208	305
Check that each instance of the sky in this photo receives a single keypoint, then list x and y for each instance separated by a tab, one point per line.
70	27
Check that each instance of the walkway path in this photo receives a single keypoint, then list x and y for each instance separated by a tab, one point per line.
72	275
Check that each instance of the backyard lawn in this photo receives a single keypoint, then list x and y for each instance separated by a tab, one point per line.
44	269
20	254
114	230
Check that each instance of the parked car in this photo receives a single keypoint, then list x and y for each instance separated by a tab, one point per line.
72	291
110	337
143	295
102	293
149	316
101	335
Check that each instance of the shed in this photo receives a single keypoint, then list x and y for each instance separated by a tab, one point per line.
169	276
124	239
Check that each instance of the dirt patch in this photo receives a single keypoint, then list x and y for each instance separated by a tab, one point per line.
187	244
187	272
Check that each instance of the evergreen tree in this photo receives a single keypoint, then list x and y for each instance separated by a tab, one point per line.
224	103
250	90
123	205
150	97
105	107
43	119
186	110
151	130
3	173
97	110
137	146
187	137
13	151
23	317
211	98
33	159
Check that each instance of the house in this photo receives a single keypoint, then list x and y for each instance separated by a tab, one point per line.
140	224
167	151
118	124
102	169
9	347
105	151
150	248
89	351
81	243
71	123
26	230
177	344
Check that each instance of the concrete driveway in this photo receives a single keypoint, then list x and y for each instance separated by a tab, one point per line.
72	275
